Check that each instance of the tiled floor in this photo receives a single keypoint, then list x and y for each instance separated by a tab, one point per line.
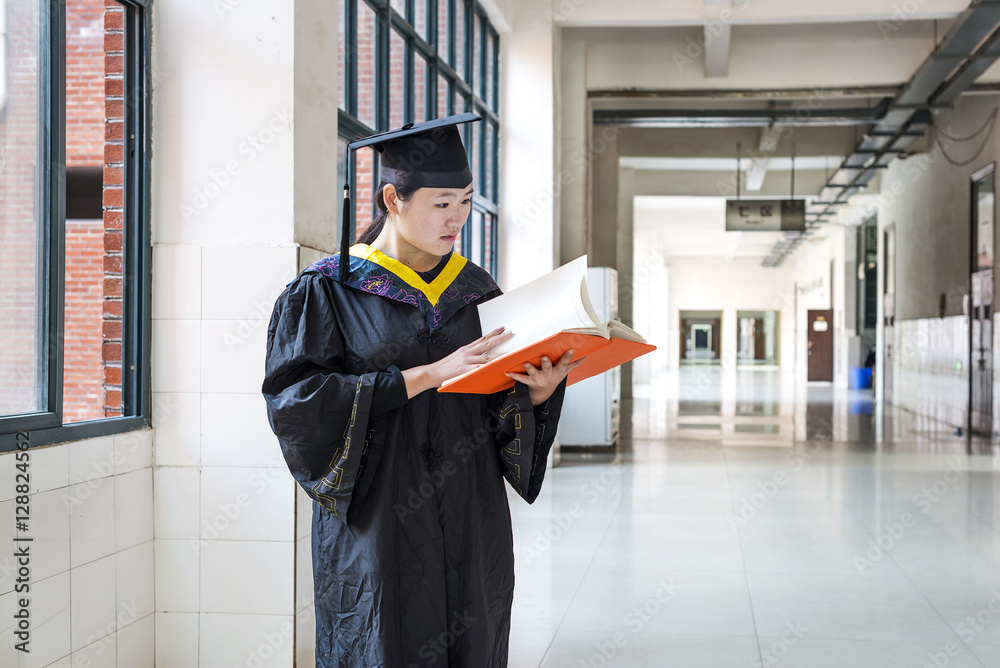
828	534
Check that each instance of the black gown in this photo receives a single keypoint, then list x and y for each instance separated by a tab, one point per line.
411	535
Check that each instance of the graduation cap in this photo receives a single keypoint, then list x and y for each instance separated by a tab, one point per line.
421	155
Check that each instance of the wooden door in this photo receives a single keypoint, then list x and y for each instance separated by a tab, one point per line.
820	344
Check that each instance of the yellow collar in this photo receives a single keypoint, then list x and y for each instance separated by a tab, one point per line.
432	290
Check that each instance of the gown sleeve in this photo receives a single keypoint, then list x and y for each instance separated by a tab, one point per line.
525	435
327	421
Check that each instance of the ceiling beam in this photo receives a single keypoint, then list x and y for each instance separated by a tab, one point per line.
718	37
769	139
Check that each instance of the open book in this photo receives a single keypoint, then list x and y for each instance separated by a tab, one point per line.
549	316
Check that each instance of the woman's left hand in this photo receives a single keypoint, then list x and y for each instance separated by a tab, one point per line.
543	381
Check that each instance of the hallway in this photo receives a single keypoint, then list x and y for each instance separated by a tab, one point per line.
701	544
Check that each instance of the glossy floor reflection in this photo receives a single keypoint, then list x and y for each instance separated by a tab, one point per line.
751	521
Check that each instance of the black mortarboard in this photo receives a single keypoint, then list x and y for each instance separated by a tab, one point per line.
421	155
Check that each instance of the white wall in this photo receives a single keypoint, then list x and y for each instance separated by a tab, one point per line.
91	568
224	501
816	263
928	200
700	285
528	238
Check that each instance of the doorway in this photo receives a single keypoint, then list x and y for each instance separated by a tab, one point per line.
701	334
820	345
757	338
981	313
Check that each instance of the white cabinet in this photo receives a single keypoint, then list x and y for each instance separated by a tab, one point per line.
590	409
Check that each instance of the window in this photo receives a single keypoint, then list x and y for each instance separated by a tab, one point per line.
400	66
74	242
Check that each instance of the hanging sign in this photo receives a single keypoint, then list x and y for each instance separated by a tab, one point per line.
765	215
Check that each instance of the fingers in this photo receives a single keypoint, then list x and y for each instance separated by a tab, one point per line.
494	338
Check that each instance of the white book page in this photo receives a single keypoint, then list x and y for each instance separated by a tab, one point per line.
537	310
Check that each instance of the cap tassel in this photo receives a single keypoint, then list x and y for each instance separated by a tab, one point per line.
345	236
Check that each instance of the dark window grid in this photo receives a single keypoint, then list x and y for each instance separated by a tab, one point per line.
462	83
433	56
45	427
467	41
482	84
495	49
495	194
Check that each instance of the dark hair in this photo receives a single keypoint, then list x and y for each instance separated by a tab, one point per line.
379	212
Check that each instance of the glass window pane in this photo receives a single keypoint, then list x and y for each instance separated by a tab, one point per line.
477	236
342	59
399	6
22	385
420	23
92	365
419	88
487	187
477	151
397	79
367	94
443	43
488	240
491	74
458	58
477	59
442	109
363	188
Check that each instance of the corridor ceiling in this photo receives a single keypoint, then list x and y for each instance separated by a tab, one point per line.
847	86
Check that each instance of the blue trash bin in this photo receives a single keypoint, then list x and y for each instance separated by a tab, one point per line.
860	378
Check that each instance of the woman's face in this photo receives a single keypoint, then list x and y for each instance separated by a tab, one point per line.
432	218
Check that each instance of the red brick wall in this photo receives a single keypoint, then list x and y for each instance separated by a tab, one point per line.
83	394
114	179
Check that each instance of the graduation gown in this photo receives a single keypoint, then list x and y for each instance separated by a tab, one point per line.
411	533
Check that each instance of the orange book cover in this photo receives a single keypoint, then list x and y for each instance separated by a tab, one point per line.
616	353
490	378
556	302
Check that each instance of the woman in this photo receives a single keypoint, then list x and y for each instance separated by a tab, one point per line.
412	548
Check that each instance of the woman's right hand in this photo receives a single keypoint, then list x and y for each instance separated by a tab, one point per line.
466	358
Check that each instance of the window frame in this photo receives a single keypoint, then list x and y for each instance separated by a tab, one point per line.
46	427
470	86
